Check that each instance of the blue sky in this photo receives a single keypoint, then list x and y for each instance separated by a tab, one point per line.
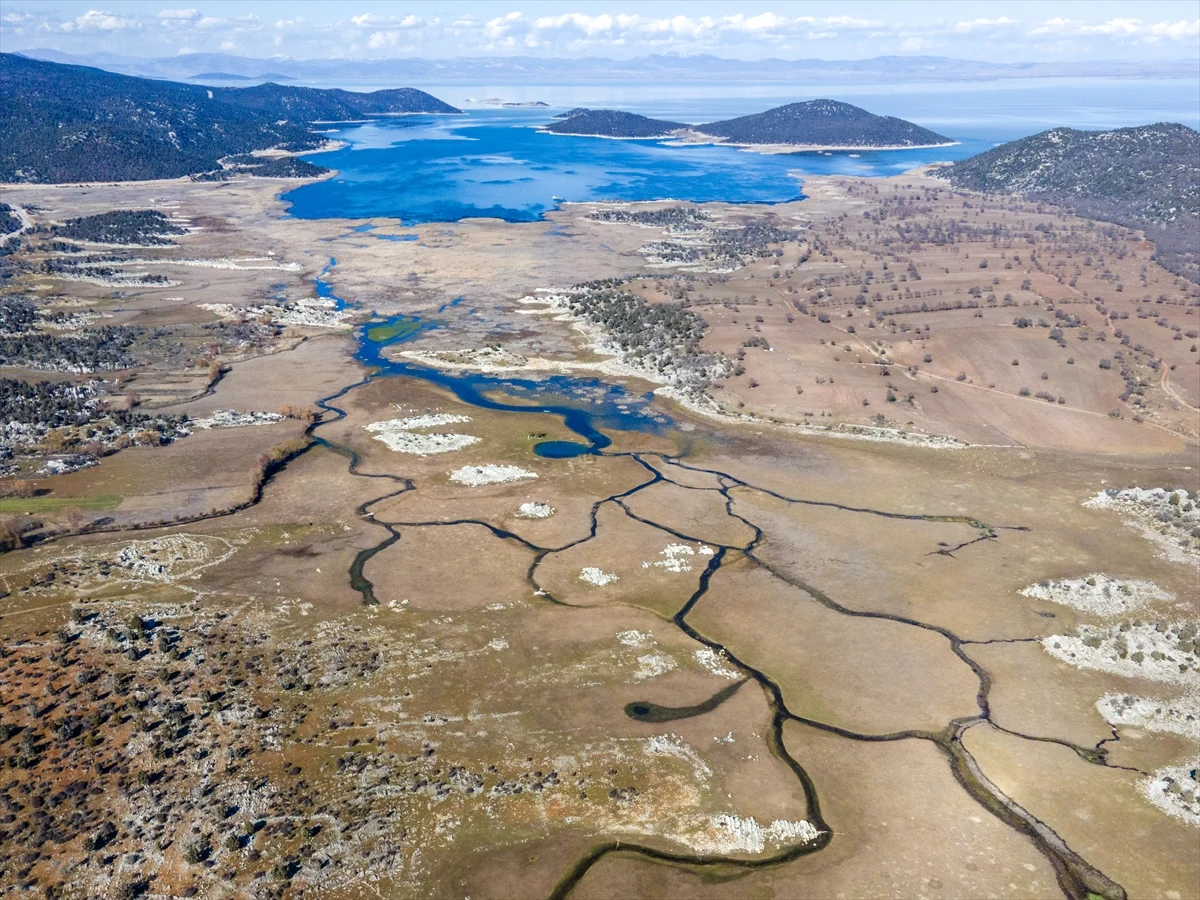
997	30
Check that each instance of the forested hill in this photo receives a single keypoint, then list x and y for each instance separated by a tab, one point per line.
823	123
73	123
612	123
329	105
1144	177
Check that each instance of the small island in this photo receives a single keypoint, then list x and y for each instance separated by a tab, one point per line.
793	128
821	125
613	123
511	104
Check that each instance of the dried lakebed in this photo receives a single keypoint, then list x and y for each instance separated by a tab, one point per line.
1076	877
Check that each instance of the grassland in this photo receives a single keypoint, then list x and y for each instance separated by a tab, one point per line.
24	505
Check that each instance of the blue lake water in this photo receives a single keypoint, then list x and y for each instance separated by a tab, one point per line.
585	405
494	162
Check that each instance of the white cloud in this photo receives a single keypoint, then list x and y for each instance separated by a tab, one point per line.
757	24
370	20
178	15
1129	29
984	24
97	20
1176	31
849	23
500	27
1121	27
15	22
679	27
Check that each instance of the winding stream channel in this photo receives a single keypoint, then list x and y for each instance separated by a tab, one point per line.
587	405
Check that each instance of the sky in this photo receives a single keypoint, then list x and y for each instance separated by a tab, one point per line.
994	30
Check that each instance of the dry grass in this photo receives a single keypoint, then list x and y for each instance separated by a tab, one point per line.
421	720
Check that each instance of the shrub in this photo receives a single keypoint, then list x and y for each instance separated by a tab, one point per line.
76	518
136	625
10	535
18	488
293	411
197	852
129	890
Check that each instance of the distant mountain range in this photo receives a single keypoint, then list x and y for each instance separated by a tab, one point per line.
658	67
1145	177
814	123
71	123
226	76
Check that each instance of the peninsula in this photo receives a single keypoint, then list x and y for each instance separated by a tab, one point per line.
74	123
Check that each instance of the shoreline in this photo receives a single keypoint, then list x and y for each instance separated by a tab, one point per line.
328	146
541	129
701	139
788	149
614	368
382	115
689	138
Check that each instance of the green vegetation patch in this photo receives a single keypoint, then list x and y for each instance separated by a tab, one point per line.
53	504
399	327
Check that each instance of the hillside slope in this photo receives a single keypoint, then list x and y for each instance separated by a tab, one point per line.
73	123
1144	177
823	123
